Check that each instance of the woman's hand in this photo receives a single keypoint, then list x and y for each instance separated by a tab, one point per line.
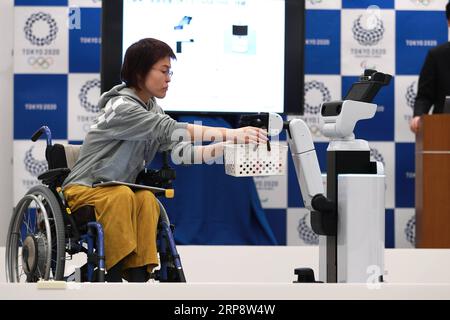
247	135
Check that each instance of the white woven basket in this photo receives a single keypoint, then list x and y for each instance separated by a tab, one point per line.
245	160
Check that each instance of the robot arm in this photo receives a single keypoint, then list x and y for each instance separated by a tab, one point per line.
305	161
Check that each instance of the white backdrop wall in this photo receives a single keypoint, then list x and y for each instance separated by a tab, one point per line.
343	37
6	114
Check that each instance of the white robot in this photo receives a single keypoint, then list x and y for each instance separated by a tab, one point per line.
349	216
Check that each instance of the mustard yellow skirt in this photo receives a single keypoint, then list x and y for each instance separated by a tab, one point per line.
129	221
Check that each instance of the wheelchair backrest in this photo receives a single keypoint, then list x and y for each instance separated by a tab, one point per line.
72	152
62	155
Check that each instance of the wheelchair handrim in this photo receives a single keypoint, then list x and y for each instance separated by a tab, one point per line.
12	256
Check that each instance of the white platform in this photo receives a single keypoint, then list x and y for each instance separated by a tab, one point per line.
226	291
260	272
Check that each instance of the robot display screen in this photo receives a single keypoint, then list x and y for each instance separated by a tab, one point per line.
230	53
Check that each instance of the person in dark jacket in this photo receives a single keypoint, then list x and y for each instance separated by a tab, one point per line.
434	81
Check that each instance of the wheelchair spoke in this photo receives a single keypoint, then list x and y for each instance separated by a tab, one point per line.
28	218
53	261
21	273
36	240
27	224
39	273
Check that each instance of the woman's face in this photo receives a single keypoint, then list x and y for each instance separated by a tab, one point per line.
158	78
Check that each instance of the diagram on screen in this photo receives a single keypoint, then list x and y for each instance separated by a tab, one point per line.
182	33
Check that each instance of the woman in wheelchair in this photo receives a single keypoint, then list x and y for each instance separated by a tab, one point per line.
128	132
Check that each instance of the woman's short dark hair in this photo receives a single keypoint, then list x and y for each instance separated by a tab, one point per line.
140	58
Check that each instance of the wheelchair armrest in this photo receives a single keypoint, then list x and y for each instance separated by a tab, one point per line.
162	178
54	175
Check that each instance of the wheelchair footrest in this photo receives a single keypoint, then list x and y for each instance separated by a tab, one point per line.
81	274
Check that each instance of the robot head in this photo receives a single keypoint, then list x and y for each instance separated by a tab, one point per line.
340	117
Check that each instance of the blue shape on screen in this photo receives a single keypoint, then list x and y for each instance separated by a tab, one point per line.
184	21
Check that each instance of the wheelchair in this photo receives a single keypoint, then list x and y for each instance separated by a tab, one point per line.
43	233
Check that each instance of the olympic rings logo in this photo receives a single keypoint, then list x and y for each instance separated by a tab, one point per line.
40	62
315	130
422	2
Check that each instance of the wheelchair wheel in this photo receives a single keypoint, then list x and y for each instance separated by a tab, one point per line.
170	269
35	247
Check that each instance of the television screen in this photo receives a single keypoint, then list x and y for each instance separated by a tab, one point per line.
231	54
